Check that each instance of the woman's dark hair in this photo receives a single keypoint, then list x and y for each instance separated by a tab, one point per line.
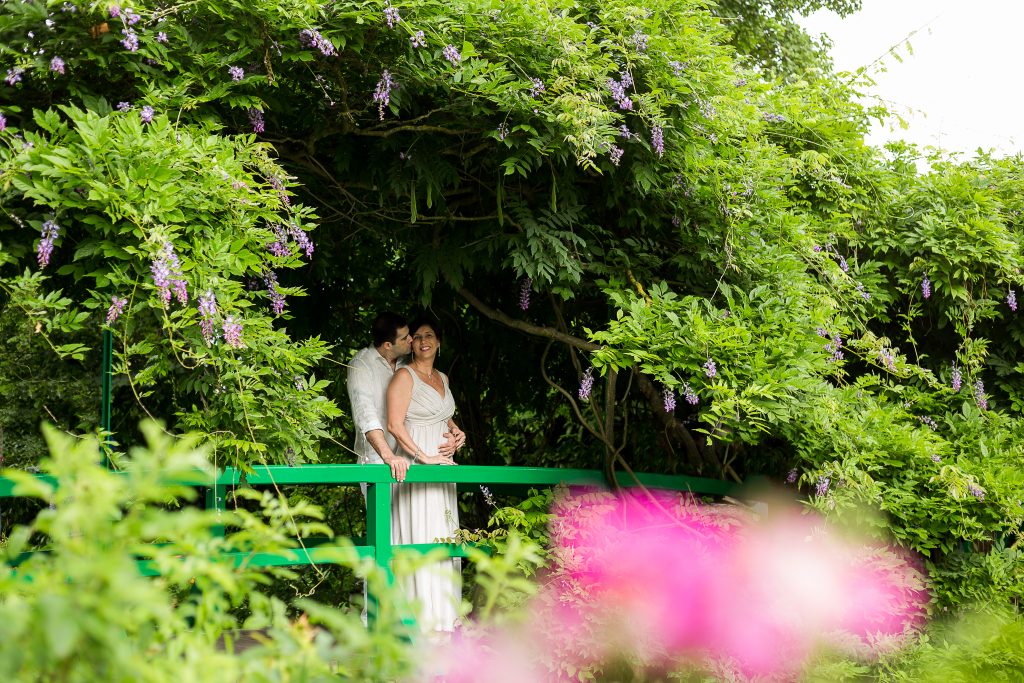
428	320
385	328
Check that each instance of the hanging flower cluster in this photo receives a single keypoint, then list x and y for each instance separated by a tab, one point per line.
524	293
618	90
117	305
44	250
586	384
311	38
382	95
207	314
167	276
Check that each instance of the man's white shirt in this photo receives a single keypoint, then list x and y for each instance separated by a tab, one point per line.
369	374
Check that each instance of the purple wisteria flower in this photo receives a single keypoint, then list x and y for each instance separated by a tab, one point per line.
537	87
301	239
256	120
502	131
625	132
707	110
130	40
843	265
3	122
957	379
791	477
886	357
311	38
276	298
586	384
936	458
232	332
926	287
237	73
57	65
615	154
771	117
451	54
929	422
976	491
207	313
525	286
817	248
14	75
835	347
124	106
864	294
689	394
44	249
822	486
1011	300
710	369
979	395
132	18
676	221
418	40
382	95
166	270
117	305
147	114
391	16
488	497
282	194
279	247
639	41
618	90
669	400
114	11
658	140
161	37
740	82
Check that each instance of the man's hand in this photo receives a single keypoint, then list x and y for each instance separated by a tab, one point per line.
399	466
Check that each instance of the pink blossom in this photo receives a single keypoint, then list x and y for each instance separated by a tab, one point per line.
656	578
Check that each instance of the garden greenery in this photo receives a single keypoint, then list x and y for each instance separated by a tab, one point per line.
643	198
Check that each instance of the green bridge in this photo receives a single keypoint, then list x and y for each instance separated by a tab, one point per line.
378	478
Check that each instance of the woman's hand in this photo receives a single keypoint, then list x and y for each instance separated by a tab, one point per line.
434	459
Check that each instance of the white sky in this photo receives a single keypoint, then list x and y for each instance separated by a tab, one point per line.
961	88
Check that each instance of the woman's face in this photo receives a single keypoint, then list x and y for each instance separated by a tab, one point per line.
425	343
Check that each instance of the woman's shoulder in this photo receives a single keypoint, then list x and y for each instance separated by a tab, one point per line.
406	377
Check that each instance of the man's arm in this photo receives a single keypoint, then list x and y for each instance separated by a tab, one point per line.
399	466
366	420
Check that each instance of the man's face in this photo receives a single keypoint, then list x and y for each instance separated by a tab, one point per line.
403	343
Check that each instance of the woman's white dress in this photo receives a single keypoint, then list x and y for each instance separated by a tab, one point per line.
424	513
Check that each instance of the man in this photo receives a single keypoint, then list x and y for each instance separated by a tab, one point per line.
369	374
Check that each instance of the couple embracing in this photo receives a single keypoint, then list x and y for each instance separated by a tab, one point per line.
402	409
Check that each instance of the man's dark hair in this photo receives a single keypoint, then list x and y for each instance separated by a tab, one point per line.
385	328
428	320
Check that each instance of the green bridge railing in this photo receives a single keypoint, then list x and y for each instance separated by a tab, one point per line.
378	545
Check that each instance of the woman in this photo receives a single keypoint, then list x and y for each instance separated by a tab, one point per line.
420	409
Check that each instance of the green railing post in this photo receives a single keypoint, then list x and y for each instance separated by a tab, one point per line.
106	373
378	535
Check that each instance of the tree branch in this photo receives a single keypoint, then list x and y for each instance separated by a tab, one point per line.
523	326
404	129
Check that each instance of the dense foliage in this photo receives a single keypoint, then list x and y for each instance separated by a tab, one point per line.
653	252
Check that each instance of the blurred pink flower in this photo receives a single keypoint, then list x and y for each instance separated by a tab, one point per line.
659	580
